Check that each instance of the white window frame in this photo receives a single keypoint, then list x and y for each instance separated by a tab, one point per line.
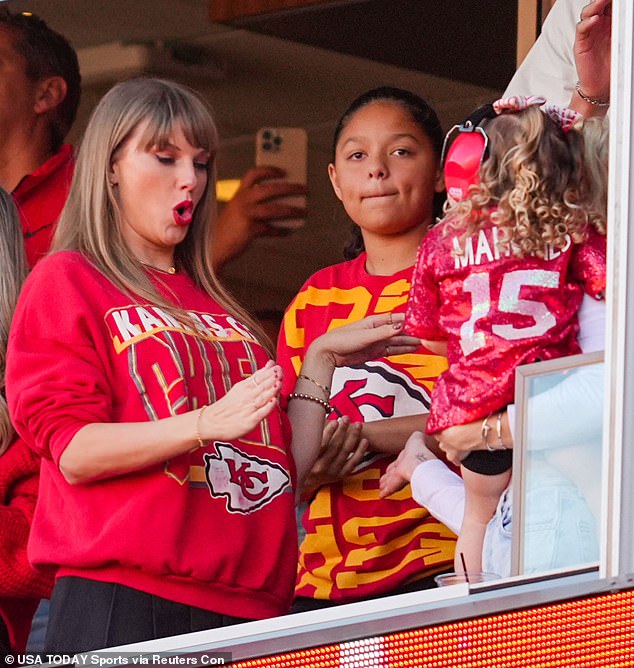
617	557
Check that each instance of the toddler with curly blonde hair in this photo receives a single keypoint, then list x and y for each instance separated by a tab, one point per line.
498	283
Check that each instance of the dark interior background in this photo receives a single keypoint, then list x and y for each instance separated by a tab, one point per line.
293	68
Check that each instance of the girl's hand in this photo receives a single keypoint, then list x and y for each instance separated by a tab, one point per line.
400	471
373	337
342	448
354	343
244	406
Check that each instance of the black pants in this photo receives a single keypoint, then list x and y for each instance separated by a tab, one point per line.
5	648
87	614
488	463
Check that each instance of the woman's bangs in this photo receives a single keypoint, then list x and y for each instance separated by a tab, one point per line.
193	119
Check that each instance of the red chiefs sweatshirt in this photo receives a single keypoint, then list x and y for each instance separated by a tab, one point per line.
213	528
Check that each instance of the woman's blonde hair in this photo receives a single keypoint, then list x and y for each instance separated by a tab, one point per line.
534	185
91	221
596	135
13	271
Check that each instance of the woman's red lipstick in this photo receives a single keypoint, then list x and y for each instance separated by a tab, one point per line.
183	212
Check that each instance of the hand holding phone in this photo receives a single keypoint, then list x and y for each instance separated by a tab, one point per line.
287	149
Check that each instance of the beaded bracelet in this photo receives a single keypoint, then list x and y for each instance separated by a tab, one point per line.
309	397
325	388
590	100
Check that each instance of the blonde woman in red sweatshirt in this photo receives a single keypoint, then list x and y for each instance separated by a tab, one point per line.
167	462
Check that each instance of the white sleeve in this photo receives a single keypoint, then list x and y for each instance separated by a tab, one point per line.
549	67
436	487
571	412
591	324
581	392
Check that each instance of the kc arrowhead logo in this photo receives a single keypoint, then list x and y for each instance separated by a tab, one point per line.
247	482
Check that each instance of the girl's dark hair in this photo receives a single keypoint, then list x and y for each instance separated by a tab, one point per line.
422	114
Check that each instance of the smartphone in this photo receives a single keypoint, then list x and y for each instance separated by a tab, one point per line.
286	148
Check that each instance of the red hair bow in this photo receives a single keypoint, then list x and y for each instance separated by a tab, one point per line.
567	118
506	105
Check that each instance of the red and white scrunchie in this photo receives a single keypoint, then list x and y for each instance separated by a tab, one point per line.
510	105
567	118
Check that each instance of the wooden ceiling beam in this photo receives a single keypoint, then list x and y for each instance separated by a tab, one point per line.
225	11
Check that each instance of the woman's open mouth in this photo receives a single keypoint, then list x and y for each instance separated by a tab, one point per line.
183	213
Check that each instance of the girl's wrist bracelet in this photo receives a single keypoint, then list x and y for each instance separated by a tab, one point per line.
309	397
324	388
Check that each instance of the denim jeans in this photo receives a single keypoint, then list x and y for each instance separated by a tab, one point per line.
560	527
35	642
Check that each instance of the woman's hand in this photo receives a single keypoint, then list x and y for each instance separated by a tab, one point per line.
592	50
400	471
244	406
104	450
458	441
342	448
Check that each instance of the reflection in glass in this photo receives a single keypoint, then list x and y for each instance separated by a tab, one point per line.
557	466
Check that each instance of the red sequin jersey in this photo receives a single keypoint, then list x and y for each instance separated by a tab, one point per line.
496	311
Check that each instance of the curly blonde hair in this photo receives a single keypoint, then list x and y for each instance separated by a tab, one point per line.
535	186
